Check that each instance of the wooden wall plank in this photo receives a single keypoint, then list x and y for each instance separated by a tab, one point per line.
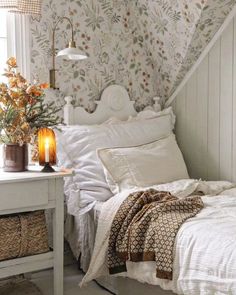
234	107
180	115
202	122
190	126
213	163
180	119
206	113
226	87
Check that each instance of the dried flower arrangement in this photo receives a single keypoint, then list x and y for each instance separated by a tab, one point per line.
23	110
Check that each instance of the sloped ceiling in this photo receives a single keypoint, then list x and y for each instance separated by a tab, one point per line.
176	32
147	46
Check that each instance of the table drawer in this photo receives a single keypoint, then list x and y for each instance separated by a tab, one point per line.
23	194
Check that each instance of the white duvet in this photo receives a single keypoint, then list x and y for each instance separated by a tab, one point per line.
205	247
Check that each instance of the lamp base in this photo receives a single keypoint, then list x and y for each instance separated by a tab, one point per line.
47	168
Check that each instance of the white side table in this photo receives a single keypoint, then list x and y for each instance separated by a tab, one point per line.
30	191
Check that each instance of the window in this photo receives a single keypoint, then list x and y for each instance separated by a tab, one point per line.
3	42
14	41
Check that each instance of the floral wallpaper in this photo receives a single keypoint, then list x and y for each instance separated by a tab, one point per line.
145	45
104	31
176	32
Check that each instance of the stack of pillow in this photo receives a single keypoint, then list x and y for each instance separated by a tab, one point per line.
118	155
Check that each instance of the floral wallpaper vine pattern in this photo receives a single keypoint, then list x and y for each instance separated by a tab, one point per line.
145	45
176	32
103	29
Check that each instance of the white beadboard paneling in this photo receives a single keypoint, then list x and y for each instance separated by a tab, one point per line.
191	124
180	120
226	95
213	155
207	49
180	115
234	108
201	113
206	113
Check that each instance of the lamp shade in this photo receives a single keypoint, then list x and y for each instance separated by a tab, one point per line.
47	146
71	54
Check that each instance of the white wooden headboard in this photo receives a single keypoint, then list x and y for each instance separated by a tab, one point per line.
115	102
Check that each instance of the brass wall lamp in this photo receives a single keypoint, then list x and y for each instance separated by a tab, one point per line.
69	53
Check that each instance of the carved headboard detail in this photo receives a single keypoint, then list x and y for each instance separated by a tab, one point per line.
115	102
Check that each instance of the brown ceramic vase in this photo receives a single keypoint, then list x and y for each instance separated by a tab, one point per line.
15	158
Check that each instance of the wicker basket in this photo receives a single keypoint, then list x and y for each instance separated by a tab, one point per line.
23	235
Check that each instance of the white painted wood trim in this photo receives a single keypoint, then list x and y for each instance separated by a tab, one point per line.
8	177
213	103
23	40
26	264
202	56
69	111
18	41
115	102
48	193
20	261
12	199
58	238
50	205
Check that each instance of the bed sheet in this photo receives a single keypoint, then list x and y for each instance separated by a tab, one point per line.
205	248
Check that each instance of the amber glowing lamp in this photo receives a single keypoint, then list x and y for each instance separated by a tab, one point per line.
47	149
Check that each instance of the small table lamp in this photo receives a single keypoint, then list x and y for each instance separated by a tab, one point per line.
71	52
47	149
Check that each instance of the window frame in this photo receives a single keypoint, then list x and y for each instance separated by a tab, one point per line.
18	41
18	45
5	53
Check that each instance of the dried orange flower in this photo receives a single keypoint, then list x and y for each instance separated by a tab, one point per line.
12	62
34	90
44	85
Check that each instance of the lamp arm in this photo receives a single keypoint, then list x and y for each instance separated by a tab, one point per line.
53	46
59	21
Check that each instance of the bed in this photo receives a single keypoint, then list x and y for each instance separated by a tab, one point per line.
115	104
195	272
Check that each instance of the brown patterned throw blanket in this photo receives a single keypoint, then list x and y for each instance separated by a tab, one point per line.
145	227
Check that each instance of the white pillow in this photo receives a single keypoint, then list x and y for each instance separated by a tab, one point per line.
142	166
77	146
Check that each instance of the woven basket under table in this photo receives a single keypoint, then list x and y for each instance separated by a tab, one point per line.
23	235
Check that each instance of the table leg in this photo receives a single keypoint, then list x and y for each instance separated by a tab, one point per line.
58	238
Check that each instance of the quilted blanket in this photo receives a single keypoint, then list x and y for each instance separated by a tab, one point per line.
145	227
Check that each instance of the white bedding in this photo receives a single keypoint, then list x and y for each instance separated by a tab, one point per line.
77	146
77	149
205	248
80	231
144	165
